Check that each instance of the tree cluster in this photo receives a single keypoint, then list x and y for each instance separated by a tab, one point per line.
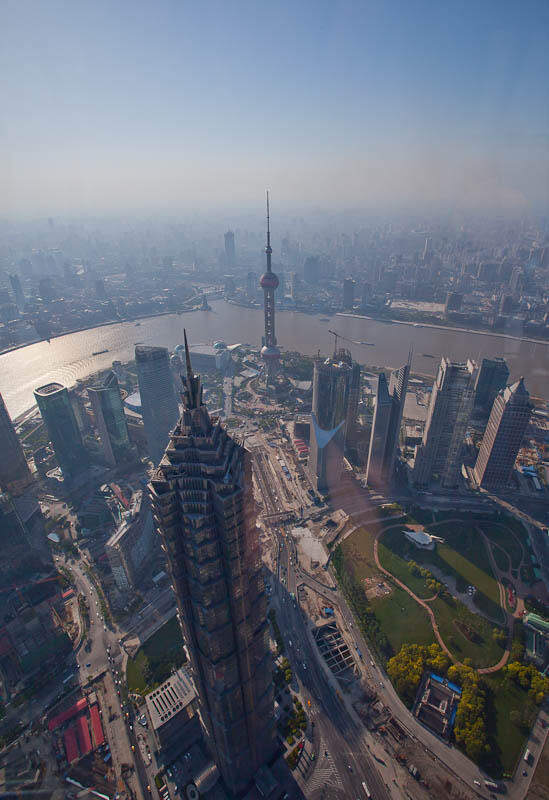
517	645
293	758
358	601
499	636
406	668
295	722
432	584
528	677
471	727
283	674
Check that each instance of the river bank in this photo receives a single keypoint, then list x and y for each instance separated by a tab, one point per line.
69	357
476	331
87	328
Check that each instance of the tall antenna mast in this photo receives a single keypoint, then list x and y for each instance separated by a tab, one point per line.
268	249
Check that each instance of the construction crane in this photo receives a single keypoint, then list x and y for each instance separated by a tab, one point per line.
346	339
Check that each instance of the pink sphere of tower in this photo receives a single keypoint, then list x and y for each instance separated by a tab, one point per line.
269	281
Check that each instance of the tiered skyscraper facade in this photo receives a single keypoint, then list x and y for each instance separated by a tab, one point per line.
205	513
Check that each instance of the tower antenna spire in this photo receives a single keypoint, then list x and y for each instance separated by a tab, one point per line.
268	249
188	356
193	389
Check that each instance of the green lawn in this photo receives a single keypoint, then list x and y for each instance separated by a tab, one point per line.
454	621
155	660
463	555
510	738
402	620
412	624
513	546
501	558
393	547
358	553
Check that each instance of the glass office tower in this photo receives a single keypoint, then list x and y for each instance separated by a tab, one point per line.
110	419
57	412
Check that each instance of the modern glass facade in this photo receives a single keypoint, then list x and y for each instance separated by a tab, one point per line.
492	377
336	388
386	426
450	407
158	398
110	419
57	412
503	437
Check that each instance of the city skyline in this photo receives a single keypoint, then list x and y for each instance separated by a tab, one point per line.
243	568
385	106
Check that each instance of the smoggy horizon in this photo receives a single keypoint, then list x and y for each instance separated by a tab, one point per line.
378	107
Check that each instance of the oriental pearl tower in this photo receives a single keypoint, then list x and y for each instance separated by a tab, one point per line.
269	282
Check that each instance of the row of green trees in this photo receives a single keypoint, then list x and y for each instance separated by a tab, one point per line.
283	674
362	610
471	724
528	677
436	587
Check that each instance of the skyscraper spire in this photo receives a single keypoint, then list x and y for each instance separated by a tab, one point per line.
268	249
193	389
269	282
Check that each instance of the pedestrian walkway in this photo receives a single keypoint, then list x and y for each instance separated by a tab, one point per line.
325	772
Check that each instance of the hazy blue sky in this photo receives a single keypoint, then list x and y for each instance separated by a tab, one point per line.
170	104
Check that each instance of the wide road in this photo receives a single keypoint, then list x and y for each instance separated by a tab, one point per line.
335	732
105	658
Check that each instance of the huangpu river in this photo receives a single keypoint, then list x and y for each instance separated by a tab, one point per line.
70	357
